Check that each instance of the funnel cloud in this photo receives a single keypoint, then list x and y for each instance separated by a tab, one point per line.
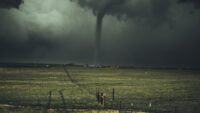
119	8
100	13
100	9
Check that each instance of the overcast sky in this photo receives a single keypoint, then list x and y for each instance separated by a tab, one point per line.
135	32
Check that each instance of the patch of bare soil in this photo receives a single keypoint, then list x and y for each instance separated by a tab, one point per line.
6	106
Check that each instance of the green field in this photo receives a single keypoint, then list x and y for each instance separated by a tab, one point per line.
74	88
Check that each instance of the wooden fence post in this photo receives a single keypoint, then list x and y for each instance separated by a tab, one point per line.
49	100
175	109
113	94
120	106
98	95
63	99
131	107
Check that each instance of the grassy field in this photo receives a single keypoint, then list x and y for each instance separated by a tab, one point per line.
37	89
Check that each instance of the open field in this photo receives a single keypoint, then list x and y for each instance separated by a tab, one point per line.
58	89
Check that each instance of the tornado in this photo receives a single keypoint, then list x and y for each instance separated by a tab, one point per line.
99	22
100	9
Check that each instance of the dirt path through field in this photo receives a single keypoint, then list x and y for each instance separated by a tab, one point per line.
7	106
74	81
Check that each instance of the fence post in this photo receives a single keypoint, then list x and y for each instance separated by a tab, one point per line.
131	107
63	99
72	109
49	100
175	109
120	106
49	103
113	94
98	95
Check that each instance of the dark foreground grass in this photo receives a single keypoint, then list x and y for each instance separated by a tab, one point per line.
75	88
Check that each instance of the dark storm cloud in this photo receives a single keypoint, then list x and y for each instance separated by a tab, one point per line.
10	3
134	32
195	2
16	48
44	31
150	11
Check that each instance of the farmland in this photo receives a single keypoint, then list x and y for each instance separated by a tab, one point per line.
39	89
